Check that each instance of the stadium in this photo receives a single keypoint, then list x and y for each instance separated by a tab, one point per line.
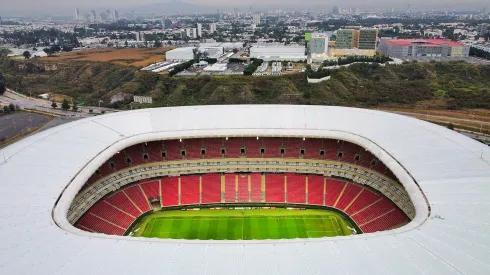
246	189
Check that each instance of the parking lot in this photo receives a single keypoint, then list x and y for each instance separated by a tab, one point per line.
18	123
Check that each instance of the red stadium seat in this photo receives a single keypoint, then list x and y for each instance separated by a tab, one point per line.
170	191
296	188
274	188
211	188
189	190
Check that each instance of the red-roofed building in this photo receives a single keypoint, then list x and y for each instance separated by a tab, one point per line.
423	47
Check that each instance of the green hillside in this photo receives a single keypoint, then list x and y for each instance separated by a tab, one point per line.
445	85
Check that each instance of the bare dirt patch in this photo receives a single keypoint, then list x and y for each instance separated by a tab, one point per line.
131	56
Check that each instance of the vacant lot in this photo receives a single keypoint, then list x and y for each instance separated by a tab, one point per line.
134	57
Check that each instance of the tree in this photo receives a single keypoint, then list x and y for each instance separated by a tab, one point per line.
65	105
90	111
54	105
12	107
450	126
2	84
74	107
157	44
27	55
6	109
126	44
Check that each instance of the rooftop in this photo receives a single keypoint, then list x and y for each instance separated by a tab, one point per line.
425	42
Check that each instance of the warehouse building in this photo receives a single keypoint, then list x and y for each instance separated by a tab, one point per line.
423	47
180	54
278	53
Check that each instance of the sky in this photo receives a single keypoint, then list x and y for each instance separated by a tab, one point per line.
66	7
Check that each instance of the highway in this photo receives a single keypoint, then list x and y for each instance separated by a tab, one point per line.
42	105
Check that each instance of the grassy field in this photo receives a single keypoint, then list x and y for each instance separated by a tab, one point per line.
253	224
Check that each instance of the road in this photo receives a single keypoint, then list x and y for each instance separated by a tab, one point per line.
25	102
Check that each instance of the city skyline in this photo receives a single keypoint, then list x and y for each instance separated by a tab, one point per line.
52	8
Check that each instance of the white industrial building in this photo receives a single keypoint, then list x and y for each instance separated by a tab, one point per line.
180	54
278	53
213	52
227	46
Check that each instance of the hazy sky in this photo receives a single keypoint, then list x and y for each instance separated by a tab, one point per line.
64	7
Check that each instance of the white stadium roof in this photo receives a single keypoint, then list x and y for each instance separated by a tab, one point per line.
452	171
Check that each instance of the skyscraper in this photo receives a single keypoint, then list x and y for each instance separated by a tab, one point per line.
212	27
335	10
77	14
256	19
115	15
199	29
93	15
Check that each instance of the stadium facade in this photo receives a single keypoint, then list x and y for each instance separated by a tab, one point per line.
446	176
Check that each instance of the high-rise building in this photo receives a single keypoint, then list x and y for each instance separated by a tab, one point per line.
77	14
115	15
482	29
346	39
335	10
355	37
109	15
212	27
318	43
93	15
199	29
368	39
256	19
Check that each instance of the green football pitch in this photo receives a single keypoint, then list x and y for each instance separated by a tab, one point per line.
237	224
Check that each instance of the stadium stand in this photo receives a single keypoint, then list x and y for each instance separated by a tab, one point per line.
334	189
273	147
233	147
151	188
350	192
172	149
242	188
253	146
109	213
255	187
296	188
193	148
135	194
120	200
371	211
170	191
274	188
315	189
213	147
98	225
230	184
211	188
189	190
154	150
115	213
